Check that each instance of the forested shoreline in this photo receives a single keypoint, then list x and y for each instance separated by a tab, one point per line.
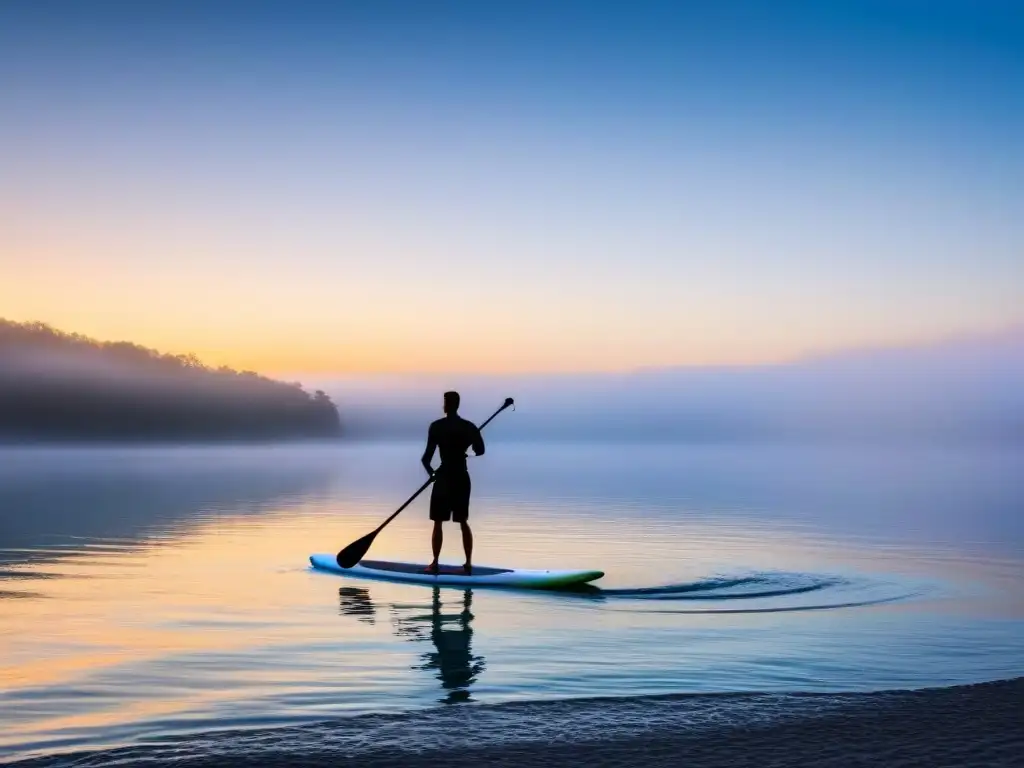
58	386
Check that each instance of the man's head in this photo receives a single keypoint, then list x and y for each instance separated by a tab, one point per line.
451	402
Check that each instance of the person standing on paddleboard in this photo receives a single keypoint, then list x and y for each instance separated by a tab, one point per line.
449	499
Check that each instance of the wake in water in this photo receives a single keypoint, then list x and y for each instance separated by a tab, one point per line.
770	591
732	588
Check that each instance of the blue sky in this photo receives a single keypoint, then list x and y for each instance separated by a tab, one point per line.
521	186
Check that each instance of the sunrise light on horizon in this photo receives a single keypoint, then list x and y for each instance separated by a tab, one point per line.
508	188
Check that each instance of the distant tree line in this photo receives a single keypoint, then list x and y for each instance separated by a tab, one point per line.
65	386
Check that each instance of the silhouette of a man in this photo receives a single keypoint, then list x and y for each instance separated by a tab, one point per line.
449	499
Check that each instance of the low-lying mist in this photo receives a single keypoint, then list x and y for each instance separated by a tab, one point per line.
970	389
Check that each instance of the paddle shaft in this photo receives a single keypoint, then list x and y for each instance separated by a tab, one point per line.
430	479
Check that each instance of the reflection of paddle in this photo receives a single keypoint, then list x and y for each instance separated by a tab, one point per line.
357	550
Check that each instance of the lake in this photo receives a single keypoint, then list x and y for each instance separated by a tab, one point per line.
150	593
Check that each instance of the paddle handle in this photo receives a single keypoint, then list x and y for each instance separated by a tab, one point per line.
508	402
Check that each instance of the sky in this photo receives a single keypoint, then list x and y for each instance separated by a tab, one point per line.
511	187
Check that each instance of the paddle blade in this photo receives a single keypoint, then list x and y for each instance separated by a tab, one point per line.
356	551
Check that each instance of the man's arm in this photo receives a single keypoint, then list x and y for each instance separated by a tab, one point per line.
428	454
478	442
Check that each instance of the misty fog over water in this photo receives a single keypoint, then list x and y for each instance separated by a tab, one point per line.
964	390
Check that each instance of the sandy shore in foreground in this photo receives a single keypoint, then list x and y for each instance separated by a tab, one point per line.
978	725
964	726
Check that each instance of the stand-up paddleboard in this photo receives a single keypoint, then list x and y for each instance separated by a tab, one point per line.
453	576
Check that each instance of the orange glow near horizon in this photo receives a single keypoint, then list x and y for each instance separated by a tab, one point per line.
266	328
317	351
320	339
271	210
392	312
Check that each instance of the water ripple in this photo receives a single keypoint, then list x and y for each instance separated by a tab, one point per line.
849	592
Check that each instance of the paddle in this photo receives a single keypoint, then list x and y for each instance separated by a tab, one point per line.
356	551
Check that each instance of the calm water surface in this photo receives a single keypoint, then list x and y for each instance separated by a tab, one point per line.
151	592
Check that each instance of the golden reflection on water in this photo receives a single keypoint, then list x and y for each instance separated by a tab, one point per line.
140	625
210	587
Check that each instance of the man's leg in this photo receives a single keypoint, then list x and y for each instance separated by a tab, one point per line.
467	544
461	515
435	542
439	512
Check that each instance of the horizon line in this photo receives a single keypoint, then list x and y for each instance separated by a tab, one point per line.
1004	332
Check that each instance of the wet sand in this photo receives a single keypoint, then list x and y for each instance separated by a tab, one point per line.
978	725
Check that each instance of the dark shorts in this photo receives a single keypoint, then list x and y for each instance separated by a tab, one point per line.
449	500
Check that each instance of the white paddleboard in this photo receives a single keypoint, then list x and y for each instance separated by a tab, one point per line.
453	576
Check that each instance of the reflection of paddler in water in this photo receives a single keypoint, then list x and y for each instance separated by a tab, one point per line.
453	658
